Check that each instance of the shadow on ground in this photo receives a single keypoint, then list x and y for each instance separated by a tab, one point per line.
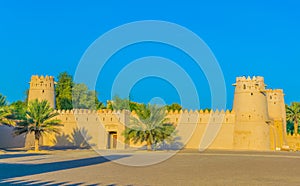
6	156
40	182
12	170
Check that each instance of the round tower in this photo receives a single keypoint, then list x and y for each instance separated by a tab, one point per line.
42	88
252	130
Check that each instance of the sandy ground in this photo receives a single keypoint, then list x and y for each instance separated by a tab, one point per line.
85	167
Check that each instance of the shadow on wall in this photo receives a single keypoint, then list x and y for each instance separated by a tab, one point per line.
78	139
8	140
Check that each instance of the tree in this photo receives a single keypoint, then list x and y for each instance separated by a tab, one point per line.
293	115
118	104
40	120
150	126
173	107
123	104
71	95
64	91
5	112
19	110
83	98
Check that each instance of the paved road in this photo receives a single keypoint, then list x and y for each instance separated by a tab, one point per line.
84	167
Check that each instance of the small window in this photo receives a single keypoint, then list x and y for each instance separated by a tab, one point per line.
245	87
50	84
110	119
251	93
43	91
103	119
176	119
271	97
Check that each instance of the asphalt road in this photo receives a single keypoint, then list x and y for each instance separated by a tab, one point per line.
85	167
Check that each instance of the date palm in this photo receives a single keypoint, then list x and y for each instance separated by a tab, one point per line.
40	120
293	115
5	112
150	126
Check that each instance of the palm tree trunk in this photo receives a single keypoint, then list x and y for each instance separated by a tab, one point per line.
36	143
149	146
296	127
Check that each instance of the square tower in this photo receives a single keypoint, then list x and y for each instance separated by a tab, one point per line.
42	88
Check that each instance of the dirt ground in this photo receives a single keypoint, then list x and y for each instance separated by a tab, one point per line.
85	167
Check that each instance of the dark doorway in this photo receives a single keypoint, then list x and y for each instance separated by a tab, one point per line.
112	140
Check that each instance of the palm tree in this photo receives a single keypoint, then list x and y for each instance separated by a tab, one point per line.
293	115
5	112
149	126
40	120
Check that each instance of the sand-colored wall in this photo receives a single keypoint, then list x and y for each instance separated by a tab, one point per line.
204	129
8	140
82	128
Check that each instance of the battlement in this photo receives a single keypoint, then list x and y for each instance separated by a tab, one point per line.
171	112
243	84
42	78
175	117
41	82
279	91
89	111
249	79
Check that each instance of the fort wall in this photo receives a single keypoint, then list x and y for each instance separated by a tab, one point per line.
257	122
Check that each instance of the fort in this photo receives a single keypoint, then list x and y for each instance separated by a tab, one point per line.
257	121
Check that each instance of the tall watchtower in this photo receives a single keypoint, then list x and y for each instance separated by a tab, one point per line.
276	108
252	130
42	88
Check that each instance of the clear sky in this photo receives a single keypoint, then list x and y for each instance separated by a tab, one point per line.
247	38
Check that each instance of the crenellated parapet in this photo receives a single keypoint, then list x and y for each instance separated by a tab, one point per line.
87	115
274	95
201	116
182	116
38	82
243	84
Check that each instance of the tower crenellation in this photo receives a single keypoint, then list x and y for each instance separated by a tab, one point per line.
243	84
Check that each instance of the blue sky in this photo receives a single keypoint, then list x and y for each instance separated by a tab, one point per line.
247	38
